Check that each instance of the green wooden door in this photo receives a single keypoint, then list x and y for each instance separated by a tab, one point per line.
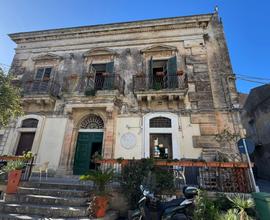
87	144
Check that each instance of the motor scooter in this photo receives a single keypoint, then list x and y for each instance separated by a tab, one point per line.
172	210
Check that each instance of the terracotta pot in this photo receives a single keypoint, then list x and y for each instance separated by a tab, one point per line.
180	72
101	205
13	181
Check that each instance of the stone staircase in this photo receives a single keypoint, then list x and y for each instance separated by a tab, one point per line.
46	200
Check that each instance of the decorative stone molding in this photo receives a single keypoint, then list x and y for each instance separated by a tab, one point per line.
158	48
48	56
100	51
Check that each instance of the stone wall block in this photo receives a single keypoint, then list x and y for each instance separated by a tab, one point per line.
203	118
199	96
200	68
201	76
207	141
198	50
208	129
196	59
209	104
203	86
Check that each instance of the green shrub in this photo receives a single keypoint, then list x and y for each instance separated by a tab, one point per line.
205	208
144	172
133	175
13	165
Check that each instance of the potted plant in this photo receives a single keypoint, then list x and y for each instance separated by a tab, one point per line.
14	170
100	201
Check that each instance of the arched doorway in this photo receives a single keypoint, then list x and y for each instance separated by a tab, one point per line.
161	131
27	135
89	141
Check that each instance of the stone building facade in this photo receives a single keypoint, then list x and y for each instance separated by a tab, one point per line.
133	90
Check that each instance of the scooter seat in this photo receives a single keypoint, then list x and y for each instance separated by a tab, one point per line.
174	202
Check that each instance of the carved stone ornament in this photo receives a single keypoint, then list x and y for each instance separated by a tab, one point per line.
128	140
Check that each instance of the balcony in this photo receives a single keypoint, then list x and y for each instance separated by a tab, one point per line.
40	92
109	82
33	88
159	86
102	85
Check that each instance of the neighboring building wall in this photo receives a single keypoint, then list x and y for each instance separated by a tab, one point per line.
205	104
256	121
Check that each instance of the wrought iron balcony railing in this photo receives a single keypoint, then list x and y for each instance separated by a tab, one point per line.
166	82
104	82
37	87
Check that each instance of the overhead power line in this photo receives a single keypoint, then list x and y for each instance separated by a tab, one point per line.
252	77
251	80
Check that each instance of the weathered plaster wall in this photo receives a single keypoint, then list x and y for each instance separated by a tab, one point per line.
131	124
51	142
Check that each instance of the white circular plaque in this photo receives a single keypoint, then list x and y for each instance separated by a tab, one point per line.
128	140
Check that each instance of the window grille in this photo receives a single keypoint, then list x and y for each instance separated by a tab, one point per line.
30	123
160	122
92	122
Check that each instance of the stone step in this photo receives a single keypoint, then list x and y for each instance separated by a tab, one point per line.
42	210
52	192
49	185
46	200
111	215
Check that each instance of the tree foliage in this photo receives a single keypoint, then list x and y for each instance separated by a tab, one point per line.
10	102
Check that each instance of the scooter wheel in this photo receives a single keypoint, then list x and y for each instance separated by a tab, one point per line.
180	217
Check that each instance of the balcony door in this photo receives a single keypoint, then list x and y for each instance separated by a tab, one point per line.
162	74
104	76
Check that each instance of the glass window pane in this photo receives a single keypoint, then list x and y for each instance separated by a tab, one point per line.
39	74
47	73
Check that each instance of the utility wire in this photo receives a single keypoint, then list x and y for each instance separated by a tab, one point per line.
252	77
251	80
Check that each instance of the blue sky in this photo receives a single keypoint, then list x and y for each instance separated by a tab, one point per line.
246	23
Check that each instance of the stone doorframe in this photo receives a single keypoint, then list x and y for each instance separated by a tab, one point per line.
174	131
38	133
71	135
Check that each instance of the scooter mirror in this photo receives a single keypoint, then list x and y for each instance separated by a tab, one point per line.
146	192
190	192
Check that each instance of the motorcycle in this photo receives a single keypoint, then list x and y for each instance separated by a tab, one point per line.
172	210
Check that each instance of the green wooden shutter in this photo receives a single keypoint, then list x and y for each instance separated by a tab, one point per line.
171	73
109	79
151	74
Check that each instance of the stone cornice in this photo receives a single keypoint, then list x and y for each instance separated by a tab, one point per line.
115	28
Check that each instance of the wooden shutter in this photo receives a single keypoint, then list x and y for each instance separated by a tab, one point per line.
151	74
109	79
91	77
171	73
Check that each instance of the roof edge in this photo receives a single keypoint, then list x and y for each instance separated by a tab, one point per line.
113	26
